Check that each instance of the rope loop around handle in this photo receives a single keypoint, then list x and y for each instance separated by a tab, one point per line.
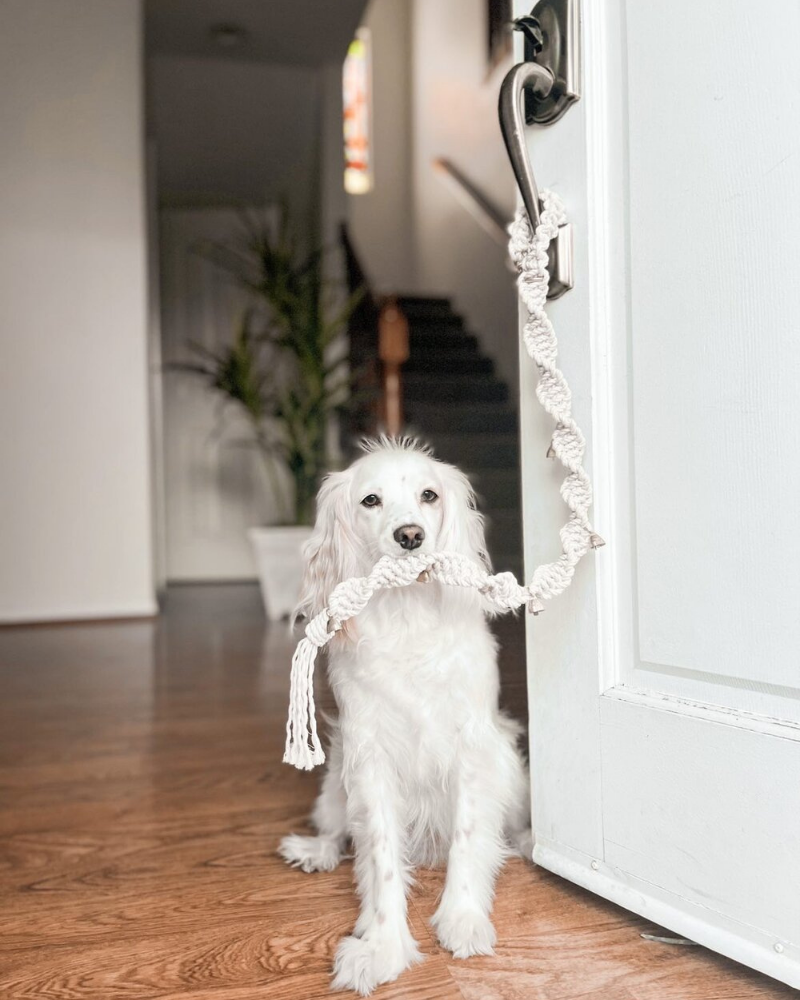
528	250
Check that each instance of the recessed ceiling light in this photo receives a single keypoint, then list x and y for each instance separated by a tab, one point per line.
227	36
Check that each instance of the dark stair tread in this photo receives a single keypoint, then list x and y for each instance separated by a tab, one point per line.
500	489
454	400
441	341
445	321
504	519
448	363
466	380
413	299
482	450
426	418
507	554
424	305
503	540
503	473
454	389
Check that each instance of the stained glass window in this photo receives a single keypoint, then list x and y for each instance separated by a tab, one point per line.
357	115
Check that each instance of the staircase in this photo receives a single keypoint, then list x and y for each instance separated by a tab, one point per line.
454	401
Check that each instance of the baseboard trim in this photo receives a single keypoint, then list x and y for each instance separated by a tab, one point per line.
147	613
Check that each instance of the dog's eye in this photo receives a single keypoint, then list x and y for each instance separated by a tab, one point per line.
371	500
428	496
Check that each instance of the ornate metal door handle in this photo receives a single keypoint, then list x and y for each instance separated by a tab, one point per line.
548	84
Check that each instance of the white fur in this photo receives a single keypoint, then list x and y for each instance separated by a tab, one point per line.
423	766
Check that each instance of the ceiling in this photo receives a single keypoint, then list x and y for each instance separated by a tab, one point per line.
294	32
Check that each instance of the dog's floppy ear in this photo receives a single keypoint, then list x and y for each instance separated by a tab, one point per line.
327	555
462	523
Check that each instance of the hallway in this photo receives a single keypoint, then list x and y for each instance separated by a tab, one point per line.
142	797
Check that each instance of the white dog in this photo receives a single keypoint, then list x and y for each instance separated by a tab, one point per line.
423	766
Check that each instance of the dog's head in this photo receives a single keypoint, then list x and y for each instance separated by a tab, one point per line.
394	500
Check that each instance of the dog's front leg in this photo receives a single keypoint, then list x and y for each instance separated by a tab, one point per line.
462	920
381	946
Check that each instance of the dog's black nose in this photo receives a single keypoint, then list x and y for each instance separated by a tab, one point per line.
409	536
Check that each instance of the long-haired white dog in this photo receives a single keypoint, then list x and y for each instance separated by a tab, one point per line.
423	765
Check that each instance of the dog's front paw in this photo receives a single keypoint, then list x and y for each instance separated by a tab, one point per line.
464	931
363	963
312	854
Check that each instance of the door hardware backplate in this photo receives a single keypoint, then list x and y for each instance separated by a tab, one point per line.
552	39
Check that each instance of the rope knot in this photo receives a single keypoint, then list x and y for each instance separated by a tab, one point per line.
317	629
503	590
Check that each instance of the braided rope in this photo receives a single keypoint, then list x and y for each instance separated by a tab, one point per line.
529	252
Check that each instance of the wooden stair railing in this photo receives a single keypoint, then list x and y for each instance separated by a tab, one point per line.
473	200
393	348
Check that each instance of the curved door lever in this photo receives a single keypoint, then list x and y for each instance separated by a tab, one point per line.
540	90
512	125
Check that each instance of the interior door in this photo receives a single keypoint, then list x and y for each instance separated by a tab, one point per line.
665	684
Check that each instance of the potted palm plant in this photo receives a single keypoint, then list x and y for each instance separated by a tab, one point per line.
285	370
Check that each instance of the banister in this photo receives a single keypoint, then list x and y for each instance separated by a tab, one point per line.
488	216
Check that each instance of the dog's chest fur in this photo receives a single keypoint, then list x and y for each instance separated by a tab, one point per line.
419	677
423	641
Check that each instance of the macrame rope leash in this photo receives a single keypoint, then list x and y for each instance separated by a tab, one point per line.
502	591
303	747
529	252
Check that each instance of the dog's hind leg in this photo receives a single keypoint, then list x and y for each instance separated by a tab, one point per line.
323	852
517	823
518	819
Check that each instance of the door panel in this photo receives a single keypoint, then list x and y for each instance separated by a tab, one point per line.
665	685
715	316
692	776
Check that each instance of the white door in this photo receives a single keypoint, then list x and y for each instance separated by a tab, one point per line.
665	684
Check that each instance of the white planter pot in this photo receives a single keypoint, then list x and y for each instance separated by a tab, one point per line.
280	567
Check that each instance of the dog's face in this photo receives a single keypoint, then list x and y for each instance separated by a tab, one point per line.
395	500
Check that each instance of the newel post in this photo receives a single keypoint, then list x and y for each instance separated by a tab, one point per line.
393	350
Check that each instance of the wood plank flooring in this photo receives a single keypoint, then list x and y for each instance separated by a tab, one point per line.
141	800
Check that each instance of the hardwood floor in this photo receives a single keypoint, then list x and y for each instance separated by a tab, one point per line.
141	800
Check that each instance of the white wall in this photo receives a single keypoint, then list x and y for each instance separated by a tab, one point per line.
381	221
455	116
75	519
231	131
